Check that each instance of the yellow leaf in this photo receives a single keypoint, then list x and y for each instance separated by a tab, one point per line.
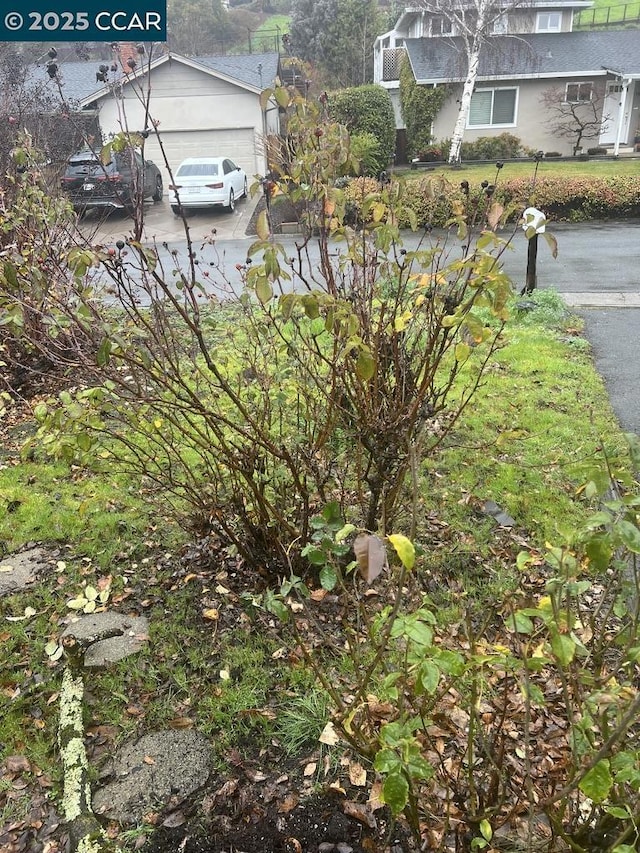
262	225
462	352
404	549
210	613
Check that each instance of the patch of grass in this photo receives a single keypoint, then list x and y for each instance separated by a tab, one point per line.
301	721
541	410
607	12
547	168
52	502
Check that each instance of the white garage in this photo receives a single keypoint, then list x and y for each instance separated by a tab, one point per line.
241	145
199	106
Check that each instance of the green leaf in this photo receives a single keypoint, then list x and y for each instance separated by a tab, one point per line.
328	578
282	97
598	782
624	848
428	678
462	352
629	534
485	830
404	549
519	622
104	350
264	291
365	366
77	603
563	647
395	792
345	531
616	811
387	761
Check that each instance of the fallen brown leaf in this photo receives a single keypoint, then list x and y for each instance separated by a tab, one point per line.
359	812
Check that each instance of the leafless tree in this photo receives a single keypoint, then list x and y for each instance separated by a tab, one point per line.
576	112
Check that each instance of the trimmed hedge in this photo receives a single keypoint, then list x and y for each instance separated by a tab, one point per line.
563	199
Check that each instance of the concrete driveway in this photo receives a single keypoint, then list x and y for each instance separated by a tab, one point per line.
160	224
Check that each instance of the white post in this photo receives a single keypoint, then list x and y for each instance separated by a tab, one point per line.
622	104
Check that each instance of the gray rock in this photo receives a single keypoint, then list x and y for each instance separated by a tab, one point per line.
19	570
502	518
133	633
150	772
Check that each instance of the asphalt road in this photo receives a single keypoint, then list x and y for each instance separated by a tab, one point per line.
597	270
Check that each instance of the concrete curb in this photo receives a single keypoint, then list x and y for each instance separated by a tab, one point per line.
602	300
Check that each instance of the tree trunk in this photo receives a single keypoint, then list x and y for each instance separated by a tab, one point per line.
465	104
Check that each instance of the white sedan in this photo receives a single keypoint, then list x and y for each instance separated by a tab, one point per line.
207	182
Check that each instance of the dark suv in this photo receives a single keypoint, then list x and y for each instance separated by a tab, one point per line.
90	184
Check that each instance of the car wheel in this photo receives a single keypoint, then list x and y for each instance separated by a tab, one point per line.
246	189
176	209
232	202
157	196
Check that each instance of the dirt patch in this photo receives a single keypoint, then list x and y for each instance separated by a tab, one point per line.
246	822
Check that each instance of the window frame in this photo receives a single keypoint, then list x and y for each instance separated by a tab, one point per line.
442	22
500	25
579	86
491	124
548	28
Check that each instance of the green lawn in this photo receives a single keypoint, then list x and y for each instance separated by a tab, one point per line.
547	168
605	11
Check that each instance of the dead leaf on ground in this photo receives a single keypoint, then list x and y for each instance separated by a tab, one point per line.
255	775
360	812
357	775
310	768
17	764
174	819
329	735
181	723
227	790
289	803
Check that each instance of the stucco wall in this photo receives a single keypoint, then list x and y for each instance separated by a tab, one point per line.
531	126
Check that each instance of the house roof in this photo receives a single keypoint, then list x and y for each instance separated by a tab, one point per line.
530	55
254	71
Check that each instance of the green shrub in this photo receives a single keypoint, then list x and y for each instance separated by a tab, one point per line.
505	146
367	109
365	149
579	197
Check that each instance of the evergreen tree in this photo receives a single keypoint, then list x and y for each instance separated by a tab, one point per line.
337	35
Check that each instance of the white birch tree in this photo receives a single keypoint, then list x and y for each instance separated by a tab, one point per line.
474	21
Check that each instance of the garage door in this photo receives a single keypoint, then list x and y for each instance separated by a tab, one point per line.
240	145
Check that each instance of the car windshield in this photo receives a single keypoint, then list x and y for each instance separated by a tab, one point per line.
86	160
193	170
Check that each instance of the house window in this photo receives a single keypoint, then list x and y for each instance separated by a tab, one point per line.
492	107
578	93
499	27
441	27
549	22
